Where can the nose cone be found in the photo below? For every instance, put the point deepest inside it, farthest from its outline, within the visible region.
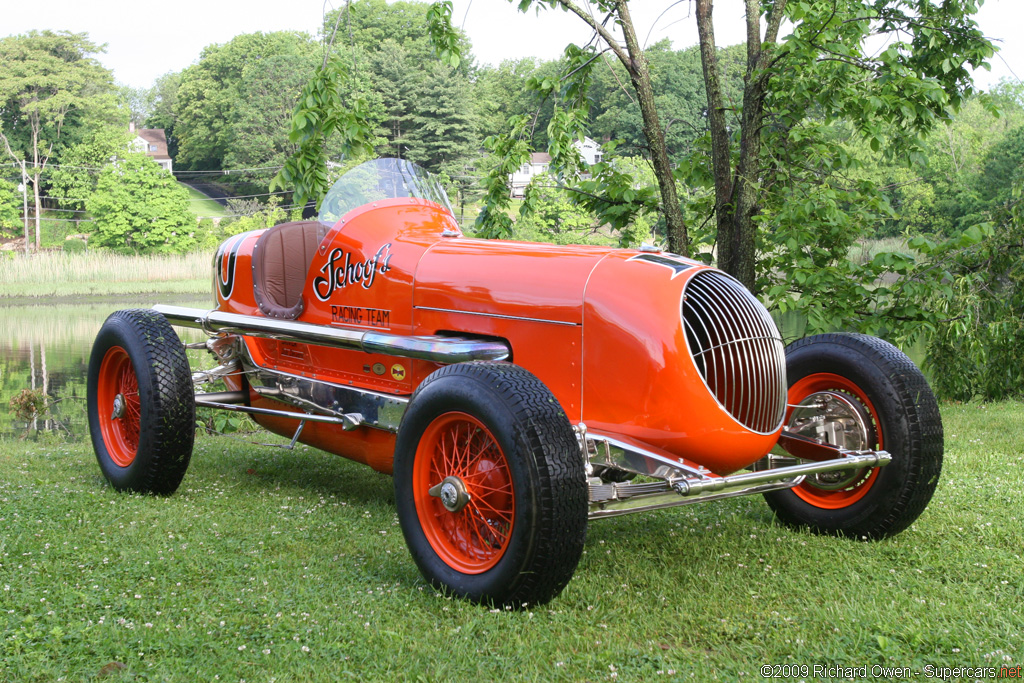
(683, 359)
(737, 350)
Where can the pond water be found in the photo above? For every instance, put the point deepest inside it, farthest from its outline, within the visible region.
(45, 348)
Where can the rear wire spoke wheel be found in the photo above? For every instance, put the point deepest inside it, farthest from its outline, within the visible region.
(886, 404)
(141, 403)
(490, 486)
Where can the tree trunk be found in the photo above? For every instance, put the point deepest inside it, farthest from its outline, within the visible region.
(640, 75)
(736, 202)
(744, 192)
(35, 190)
(24, 202)
(721, 149)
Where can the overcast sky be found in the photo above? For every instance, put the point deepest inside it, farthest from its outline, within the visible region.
(143, 43)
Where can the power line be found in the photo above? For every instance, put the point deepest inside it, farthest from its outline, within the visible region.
(191, 199)
(63, 210)
(226, 171)
(44, 219)
(93, 220)
(244, 196)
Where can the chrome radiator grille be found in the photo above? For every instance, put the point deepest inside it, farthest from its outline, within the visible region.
(737, 349)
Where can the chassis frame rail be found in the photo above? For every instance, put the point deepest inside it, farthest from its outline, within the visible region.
(682, 484)
(677, 482)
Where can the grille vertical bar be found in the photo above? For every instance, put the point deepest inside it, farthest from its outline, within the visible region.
(737, 349)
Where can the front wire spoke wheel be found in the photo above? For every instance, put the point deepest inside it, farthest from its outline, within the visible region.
(490, 485)
(470, 534)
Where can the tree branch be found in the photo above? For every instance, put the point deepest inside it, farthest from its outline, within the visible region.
(599, 28)
(771, 33)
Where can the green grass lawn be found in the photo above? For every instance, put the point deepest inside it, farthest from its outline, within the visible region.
(203, 206)
(269, 565)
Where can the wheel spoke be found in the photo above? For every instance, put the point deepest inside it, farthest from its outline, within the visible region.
(507, 488)
(447, 456)
(480, 547)
(455, 465)
(473, 534)
(477, 502)
(491, 529)
(466, 455)
(474, 453)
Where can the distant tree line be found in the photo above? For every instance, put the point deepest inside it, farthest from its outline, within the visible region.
(851, 147)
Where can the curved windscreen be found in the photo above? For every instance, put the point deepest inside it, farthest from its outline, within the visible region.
(380, 179)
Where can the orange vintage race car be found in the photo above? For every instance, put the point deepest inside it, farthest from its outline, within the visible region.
(516, 391)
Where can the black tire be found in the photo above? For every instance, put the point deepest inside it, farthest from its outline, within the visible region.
(904, 412)
(484, 406)
(147, 447)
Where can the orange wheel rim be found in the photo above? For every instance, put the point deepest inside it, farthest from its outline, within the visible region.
(857, 489)
(457, 447)
(117, 399)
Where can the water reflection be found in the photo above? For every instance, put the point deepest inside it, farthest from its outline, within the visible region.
(44, 349)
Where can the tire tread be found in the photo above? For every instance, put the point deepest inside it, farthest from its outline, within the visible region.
(908, 390)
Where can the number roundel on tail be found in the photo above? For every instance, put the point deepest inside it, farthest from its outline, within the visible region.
(224, 264)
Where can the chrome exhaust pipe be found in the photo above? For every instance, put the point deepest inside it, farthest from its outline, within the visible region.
(434, 348)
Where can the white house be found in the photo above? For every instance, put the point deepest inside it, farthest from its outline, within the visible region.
(541, 161)
(153, 142)
(589, 150)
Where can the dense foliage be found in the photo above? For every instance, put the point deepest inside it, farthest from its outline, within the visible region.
(53, 91)
(10, 208)
(852, 146)
(978, 349)
(212, 96)
(67, 181)
(138, 207)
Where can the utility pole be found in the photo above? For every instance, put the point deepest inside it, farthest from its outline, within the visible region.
(24, 201)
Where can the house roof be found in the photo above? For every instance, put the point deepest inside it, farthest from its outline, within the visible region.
(540, 158)
(155, 136)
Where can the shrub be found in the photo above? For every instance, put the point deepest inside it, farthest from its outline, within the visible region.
(139, 207)
(74, 246)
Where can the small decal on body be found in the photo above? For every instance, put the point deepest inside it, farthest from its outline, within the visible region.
(224, 263)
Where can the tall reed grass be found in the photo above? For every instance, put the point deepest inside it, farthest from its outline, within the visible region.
(863, 251)
(98, 272)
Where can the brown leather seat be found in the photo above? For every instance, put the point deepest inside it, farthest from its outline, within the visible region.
(280, 262)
